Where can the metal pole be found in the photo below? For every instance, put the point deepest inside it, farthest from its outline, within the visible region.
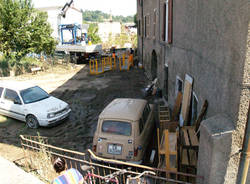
(245, 155)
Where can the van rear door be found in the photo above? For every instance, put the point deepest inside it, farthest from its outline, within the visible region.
(116, 140)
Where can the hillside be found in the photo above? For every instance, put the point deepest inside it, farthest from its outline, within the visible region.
(99, 16)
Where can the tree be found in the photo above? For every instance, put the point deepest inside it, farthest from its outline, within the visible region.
(92, 33)
(135, 19)
(23, 30)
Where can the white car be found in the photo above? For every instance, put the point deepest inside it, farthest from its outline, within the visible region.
(31, 104)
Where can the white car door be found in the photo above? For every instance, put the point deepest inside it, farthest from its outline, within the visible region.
(12, 104)
(2, 111)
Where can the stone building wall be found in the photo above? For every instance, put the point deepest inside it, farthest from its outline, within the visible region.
(211, 44)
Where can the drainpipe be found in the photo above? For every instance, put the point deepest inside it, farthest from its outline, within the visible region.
(245, 155)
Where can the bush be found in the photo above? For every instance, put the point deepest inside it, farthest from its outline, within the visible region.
(4, 67)
(18, 67)
(28, 62)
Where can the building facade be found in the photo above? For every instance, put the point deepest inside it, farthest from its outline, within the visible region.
(207, 41)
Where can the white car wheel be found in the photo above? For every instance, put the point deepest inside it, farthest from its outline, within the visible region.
(32, 121)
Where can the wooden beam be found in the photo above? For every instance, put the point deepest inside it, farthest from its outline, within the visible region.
(201, 115)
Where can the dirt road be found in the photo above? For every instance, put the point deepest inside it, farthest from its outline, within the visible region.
(87, 96)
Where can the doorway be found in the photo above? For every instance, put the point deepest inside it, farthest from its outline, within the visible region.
(154, 65)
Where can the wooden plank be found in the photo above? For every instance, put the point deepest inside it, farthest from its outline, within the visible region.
(164, 111)
(193, 137)
(163, 108)
(167, 149)
(162, 144)
(192, 158)
(163, 121)
(186, 139)
(164, 118)
(201, 115)
(184, 157)
(158, 142)
(177, 106)
(186, 100)
(172, 137)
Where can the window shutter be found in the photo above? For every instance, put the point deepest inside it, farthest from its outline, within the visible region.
(164, 23)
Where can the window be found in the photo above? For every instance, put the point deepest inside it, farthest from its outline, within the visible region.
(1, 91)
(141, 125)
(194, 108)
(148, 26)
(145, 26)
(146, 112)
(139, 27)
(166, 82)
(154, 23)
(167, 21)
(140, 2)
(11, 95)
(144, 118)
(178, 85)
(117, 127)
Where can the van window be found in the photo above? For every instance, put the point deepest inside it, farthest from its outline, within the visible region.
(1, 90)
(141, 125)
(146, 112)
(117, 127)
(144, 118)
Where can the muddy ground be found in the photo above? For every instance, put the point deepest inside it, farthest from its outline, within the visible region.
(86, 94)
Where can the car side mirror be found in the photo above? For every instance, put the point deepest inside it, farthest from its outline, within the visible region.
(17, 102)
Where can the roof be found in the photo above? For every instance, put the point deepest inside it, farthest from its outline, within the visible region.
(124, 108)
(16, 85)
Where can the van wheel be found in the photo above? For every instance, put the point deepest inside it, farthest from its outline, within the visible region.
(32, 121)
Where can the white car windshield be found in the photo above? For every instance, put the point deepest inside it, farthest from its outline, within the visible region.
(33, 94)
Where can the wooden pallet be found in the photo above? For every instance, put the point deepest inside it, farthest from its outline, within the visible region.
(189, 146)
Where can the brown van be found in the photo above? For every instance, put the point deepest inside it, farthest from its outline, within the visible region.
(124, 129)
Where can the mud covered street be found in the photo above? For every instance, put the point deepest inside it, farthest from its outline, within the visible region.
(86, 94)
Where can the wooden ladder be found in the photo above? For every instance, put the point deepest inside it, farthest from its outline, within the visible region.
(167, 141)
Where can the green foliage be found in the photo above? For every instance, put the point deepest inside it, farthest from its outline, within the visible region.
(23, 30)
(98, 16)
(121, 40)
(93, 33)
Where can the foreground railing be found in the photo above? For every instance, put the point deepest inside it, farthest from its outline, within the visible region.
(40, 154)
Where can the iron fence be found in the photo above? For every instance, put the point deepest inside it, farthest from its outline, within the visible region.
(39, 155)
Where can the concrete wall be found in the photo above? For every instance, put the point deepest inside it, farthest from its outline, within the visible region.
(215, 149)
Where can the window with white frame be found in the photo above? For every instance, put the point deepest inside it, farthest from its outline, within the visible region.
(167, 21)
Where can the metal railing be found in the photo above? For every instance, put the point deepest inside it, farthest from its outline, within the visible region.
(35, 146)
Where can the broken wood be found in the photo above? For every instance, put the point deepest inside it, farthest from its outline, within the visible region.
(177, 106)
(186, 100)
(201, 115)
